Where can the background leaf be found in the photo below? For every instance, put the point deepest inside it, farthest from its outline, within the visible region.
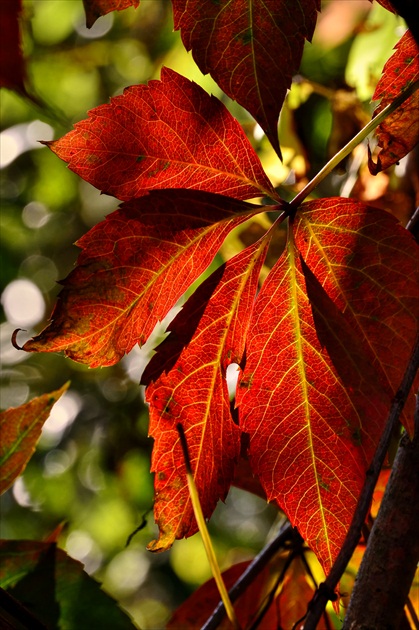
(12, 66)
(96, 8)
(55, 588)
(289, 602)
(167, 134)
(134, 267)
(188, 386)
(399, 133)
(20, 431)
(250, 48)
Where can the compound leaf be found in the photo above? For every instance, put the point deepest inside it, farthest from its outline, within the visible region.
(310, 397)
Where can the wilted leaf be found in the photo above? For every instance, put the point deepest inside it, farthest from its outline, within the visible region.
(188, 386)
(55, 588)
(399, 133)
(167, 134)
(12, 67)
(309, 396)
(20, 429)
(133, 268)
(250, 48)
(96, 8)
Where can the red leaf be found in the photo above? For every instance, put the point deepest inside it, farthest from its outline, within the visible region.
(251, 49)
(20, 431)
(96, 8)
(386, 4)
(198, 607)
(167, 134)
(188, 385)
(399, 133)
(133, 268)
(12, 67)
(308, 396)
(288, 605)
(295, 596)
(54, 587)
(369, 266)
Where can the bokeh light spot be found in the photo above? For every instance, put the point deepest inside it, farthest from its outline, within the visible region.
(23, 303)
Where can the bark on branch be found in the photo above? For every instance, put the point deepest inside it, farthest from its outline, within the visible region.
(389, 564)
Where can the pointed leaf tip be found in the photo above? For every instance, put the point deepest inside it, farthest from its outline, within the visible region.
(251, 49)
(187, 385)
(124, 284)
(20, 431)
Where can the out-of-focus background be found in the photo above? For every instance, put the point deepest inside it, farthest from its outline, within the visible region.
(91, 468)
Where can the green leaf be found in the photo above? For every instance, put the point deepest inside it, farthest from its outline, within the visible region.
(56, 589)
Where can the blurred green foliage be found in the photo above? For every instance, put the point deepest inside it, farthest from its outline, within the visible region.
(91, 469)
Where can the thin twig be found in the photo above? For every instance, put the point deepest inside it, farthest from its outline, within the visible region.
(413, 613)
(247, 577)
(271, 595)
(328, 587)
(206, 539)
(348, 148)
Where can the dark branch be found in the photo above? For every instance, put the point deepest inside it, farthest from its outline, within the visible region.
(322, 596)
(378, 601)
(255, 567)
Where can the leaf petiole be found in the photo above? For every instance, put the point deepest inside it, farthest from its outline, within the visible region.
(196, 504)
(348, 148)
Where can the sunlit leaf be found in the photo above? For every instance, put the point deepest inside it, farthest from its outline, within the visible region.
(20, 429)
(96, 8)
(250, 48)
(188, 386)
(369, 266)
(310, 397)
(399, 133)
(167, 134)
(55, 588)
(133, 268)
